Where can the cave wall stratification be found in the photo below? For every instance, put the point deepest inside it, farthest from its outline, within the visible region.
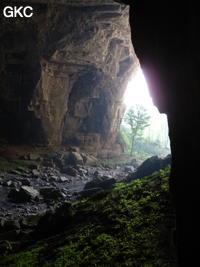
(64, 73)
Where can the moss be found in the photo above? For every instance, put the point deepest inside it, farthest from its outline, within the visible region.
(7, 165)
(128, 226)
(23, 259)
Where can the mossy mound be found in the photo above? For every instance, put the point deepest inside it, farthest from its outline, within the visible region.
(128, 226)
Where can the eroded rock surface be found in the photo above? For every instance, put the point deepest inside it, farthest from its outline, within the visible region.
(63, 74)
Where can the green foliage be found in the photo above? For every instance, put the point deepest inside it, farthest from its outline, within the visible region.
(24, 259)
(137, 119)
(128, 226)
(148, 147)
(125, 138)
(143, 147)
(142, 141)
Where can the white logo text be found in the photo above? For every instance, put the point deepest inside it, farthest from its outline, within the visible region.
(14, 12)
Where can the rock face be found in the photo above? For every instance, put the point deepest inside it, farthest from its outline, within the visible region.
(64, 72)
(150, 166)
(24, 194)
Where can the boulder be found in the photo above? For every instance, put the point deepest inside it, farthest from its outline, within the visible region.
(129, 169)
(97, 174)
(24, 194)
(49, 193)
(70, 171)
(29, 190)
(108, 184)
(35, 172)
(94, 183)
(33, 156)
(76, 158)
(134, 163)
(5, 247)
(88, 159)
(74, 149)
(100, 183)
(25, 182)
(54, 178)
(89, 192)
(82, 171)
(149, 166)
(64, 179)
(72, 158)
(8, 183)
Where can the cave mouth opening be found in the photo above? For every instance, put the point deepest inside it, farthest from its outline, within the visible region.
(152, 139)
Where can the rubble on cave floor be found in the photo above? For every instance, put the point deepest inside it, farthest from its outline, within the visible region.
(33, 185)
(34, 188)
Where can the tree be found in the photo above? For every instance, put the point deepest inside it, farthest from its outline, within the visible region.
(137, 119)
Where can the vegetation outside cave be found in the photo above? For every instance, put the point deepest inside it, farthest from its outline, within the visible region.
(143, 131)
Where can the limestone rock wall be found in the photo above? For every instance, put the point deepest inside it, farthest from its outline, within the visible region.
(64, 74)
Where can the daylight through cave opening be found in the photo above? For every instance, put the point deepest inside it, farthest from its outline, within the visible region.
(63, 80)
(143, 121)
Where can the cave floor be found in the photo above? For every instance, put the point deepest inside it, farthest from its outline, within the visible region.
(62, 188)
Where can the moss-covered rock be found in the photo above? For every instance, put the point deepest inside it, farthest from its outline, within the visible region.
(128, 226)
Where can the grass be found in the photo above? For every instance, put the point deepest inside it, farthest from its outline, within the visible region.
(128, 226)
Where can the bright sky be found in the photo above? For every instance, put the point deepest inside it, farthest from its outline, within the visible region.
(138, 93)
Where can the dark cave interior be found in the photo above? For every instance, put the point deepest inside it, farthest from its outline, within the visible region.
(165, 37)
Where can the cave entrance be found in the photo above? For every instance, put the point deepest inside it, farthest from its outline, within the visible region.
(144, 130)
